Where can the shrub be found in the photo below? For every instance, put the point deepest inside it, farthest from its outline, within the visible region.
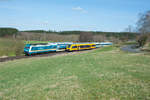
(142, 39)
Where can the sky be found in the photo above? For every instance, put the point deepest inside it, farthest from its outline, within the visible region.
(63, 15)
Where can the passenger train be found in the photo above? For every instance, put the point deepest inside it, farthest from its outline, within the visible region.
(31, 49)
(80, 46)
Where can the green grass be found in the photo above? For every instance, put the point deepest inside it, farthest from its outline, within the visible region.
(130, 43)
(102, 74)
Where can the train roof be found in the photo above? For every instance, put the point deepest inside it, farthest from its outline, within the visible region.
(41, 44)
(67, 43)
(103, 43)
(47, 44)
(38, 44)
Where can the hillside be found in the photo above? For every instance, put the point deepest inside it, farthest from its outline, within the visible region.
(102, 74)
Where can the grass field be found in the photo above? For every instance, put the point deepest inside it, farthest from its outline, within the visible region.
(102, 74)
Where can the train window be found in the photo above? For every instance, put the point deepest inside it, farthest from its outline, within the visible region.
(49, 47)
(82, 46)
(38, 48)
(62, 47)
(93, 45)
(87, 46)
(74, 46)
(46, 47)
(41, 48)
(69, 46)
(34, 48)
(55, 46)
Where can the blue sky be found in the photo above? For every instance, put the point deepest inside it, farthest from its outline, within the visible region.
(60, 15)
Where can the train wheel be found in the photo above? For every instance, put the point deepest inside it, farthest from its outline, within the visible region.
(27, 54)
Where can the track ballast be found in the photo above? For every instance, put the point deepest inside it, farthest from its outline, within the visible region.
(33, 56)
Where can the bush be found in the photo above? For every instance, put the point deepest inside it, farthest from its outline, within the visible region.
(142, 39)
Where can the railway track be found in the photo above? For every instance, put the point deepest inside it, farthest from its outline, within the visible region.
(37, 55)
(33, 56)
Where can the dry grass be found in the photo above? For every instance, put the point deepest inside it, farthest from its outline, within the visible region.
(11, 47)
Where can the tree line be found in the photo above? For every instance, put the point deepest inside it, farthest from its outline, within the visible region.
(130, 35)
(4, 32)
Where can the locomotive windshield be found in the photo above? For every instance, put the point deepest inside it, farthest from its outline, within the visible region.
(27, 46)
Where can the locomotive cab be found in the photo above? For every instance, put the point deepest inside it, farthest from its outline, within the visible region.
(27, 49)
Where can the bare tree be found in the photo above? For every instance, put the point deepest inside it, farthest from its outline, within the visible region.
(129, 29)
(143, 24)
(143, 27)
(86, 37)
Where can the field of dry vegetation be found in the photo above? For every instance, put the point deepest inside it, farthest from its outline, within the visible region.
(61, 38)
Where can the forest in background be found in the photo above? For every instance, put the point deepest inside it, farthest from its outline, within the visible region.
(42, 35)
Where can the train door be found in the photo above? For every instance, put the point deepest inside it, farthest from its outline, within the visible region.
(78, 47)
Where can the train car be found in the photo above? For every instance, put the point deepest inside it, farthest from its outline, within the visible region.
(80, 46)
(106, 44)
(102, 44)
(39, 48)
(61, 46)
(98, 44)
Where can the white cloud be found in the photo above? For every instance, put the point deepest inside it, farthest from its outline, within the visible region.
(79, 9)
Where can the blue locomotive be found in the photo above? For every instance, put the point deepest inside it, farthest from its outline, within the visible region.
(31, 49)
